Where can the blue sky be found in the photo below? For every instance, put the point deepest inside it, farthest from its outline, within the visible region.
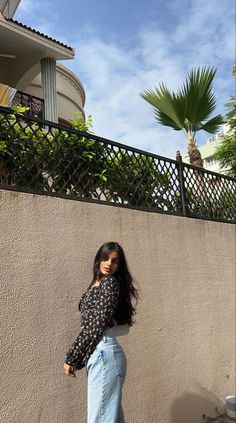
(127, 46)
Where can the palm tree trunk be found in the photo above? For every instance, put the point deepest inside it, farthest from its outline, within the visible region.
(194, 155)
(200, 188)
(193, 152)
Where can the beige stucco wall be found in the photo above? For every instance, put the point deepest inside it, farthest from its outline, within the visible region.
(181, 350)
(70, 92)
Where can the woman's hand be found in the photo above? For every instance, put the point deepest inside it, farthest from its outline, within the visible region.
(69, 370)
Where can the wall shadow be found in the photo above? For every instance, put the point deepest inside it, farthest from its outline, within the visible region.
(121, 416)
(190, 407)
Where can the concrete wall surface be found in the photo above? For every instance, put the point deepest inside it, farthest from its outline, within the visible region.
(180, 352)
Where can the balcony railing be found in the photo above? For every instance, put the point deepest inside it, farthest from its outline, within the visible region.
(44, 157)
(35, 104)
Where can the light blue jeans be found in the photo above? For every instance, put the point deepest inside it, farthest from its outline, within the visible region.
(106, 369)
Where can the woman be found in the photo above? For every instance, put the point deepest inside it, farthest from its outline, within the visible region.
(106, 311)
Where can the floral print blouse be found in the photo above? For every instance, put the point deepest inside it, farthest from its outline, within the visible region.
(97, 307)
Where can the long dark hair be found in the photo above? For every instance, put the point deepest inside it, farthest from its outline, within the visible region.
(128, 297)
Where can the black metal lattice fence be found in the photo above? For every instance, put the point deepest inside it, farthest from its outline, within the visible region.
(39, 156)
(34, 104)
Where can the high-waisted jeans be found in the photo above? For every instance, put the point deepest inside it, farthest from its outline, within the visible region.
(106, 369)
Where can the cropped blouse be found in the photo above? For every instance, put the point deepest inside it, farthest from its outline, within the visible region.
(97, 307)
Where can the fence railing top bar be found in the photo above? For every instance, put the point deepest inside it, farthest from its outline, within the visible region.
(209, 172)
(86, 134)
(130, 148)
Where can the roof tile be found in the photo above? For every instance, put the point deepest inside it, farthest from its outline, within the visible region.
(38, 32)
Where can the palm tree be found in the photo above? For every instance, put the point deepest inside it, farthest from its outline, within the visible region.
(189, 109)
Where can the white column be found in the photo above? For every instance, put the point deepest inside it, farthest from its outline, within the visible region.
(48, 73)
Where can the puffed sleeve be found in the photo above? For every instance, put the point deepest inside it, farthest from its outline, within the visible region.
(101, 314)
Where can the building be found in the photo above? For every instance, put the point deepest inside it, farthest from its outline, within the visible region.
(207, 152)
(28, 64)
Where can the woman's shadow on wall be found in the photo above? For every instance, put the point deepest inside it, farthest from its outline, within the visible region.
(121, 416)
(190, 407)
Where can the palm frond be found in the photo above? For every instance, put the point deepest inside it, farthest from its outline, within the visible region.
(166, 106)
(165, 120)
(197, 89)
(213, 125)
(190, 107)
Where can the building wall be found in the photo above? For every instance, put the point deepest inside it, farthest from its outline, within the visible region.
(180, 351)
(70, 92)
